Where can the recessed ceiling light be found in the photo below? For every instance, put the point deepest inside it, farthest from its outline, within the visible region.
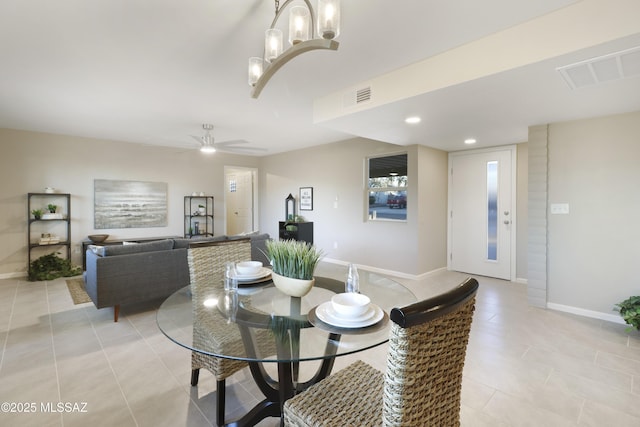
(470, 141)
(412, 120)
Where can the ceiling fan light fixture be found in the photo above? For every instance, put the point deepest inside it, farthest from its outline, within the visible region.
(208, 149)
(302, 30)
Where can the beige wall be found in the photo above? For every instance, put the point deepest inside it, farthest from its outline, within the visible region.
(336, 173)
(433, 207)
(31, 161)
(593, 251)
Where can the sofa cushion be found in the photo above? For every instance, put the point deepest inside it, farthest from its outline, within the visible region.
(184, 243)
(159, 245)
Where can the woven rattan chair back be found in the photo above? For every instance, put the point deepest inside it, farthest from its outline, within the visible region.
(427, 348)
(207, 262)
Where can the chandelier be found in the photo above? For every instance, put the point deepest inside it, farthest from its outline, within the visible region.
(302, 37)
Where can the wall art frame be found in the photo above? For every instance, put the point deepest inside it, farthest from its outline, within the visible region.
(129, 204)
(306, 198)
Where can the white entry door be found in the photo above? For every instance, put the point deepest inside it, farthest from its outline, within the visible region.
(239, 201)
(481, 212)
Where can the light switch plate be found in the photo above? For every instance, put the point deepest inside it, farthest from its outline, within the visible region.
(560, 208)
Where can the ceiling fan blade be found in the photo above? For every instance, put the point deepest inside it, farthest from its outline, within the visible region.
(232, 142)
(233, 149)
(197, 138)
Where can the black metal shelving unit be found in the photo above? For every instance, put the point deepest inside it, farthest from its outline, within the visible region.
(44, 224)
(193, 215)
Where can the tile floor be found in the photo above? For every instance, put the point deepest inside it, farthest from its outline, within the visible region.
(525, 366)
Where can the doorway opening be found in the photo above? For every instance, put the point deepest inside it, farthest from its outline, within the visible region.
(240, 200)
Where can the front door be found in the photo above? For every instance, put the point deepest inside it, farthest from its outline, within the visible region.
(239, 201)
(481, 213)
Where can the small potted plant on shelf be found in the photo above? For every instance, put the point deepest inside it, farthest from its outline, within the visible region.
(52, 208)
(293, 264)
(37, 213)
(201, 209)
(629, 309)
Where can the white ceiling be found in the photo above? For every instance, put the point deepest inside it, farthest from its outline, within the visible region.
(153, 71)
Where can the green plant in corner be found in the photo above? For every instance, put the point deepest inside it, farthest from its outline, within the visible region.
(52, 208)
(51, 266)
(629, 309)
(37, 213)
(292, 258)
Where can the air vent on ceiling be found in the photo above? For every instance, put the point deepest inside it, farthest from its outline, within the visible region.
(614, 66)
(357, 97)
(363, 95)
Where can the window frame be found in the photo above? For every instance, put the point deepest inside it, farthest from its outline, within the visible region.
(402, 187)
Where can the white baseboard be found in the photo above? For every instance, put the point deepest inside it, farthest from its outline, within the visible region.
(387, 272)
(586, 313)
(17, 275)
(521, 280)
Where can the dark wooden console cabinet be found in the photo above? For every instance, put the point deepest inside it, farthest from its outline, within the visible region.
(301, 231)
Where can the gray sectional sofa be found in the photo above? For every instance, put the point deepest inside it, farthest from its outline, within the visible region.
(127, 274)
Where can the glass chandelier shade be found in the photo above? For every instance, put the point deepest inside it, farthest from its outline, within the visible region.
(298, 25)
(329, 19)
(272, 44)
(255, 69)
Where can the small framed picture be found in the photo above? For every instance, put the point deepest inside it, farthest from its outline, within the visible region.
(306, 198)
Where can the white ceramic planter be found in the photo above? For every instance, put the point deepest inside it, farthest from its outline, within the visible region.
(292, 287)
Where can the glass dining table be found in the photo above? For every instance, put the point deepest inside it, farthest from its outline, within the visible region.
(282, 330)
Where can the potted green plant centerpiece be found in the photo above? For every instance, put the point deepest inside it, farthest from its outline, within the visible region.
(293, 264)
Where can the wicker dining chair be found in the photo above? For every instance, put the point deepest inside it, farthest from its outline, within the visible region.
(422, 384)
(207, 261)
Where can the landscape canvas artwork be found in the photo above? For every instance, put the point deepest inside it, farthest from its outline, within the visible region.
(129, 204)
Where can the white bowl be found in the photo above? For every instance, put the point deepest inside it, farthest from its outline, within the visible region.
(350, 304)
(248, 268)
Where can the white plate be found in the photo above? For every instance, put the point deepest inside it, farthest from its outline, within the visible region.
(327, 314)
(264, 272)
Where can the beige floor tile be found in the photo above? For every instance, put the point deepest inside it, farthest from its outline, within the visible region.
(518, 412)
(619, 363)
(525, 366)
(597, 415)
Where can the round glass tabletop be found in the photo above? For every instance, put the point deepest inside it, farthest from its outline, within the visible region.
(261, 324)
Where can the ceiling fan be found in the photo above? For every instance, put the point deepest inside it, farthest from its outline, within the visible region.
(208, 144)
